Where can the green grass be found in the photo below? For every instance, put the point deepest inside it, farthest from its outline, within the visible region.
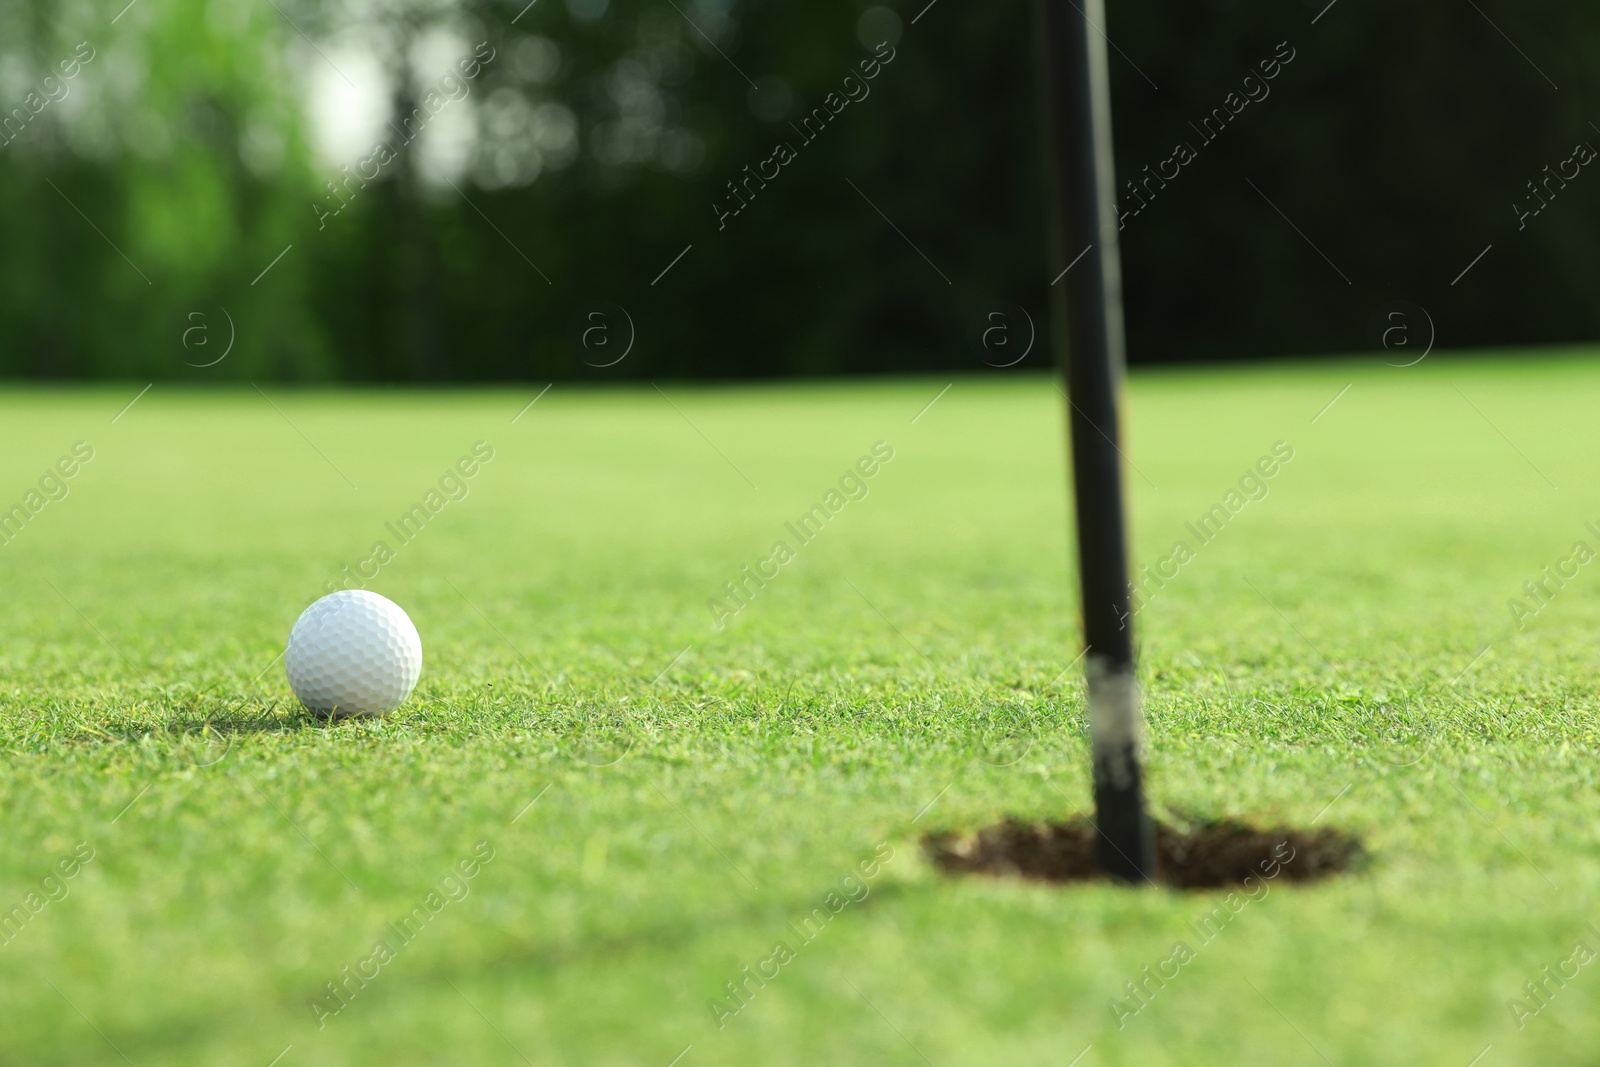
(692, 808)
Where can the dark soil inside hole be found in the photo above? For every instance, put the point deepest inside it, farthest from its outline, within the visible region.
(1202, 856)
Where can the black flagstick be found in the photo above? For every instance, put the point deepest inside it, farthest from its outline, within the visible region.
(1090, 348)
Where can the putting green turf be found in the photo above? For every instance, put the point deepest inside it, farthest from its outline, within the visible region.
(701, 792)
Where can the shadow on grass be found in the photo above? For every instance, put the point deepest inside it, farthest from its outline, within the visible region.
(202, 730)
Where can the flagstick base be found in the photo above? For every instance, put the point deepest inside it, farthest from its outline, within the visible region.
(1126, 845)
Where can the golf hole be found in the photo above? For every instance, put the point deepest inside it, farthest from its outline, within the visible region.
(1206, 855)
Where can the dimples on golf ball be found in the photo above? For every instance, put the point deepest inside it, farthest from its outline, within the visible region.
(353, 653)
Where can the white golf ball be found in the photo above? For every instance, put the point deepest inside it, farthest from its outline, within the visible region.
(353, 653)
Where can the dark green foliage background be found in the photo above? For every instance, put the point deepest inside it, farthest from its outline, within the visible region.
(1396, 141)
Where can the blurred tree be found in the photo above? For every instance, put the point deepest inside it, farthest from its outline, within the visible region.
(428, 190)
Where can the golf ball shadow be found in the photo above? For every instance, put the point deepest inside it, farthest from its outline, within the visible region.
(604, 736)
(1006, 731)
